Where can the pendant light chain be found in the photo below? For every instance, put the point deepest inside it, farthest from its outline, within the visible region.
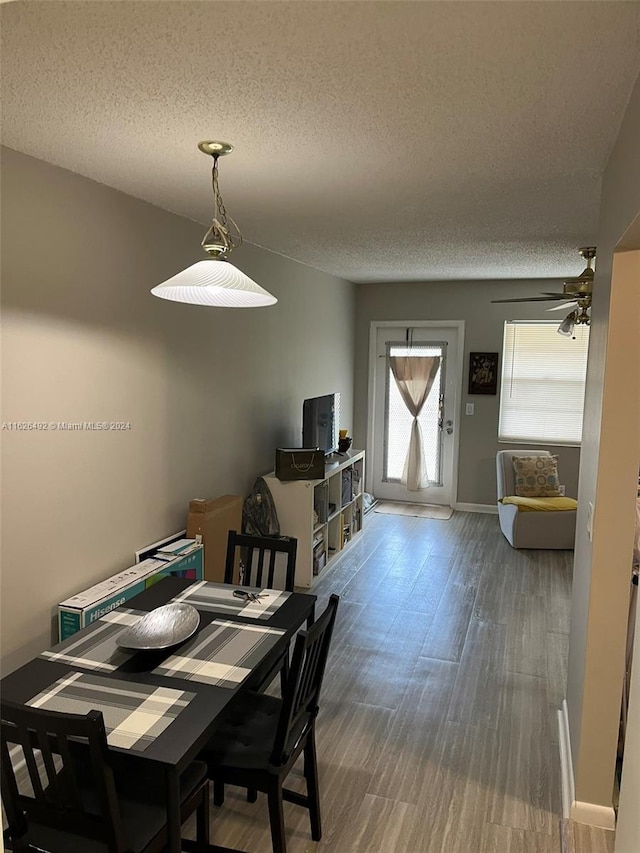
(219, 207)
(221, 219)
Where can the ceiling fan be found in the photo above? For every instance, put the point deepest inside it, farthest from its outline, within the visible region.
(576, 295)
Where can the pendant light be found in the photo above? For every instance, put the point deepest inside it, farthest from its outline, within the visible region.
(566, 327)
(213, 280)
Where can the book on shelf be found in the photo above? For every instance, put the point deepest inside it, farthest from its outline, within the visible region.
(319, 560)
(321, 502)
(346, 487)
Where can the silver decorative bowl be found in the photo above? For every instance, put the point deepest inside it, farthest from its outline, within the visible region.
(162, 628)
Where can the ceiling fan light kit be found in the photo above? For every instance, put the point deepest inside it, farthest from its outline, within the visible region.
(566, 327)
(214, 281)
(576, 293)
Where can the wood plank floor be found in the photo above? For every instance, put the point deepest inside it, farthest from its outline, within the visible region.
(578, 838)
(437, 730)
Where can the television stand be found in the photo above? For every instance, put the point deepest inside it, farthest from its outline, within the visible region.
(324, 515)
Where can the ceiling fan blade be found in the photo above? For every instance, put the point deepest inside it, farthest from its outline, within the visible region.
(566, 306)
(534, 298)
(575, 296)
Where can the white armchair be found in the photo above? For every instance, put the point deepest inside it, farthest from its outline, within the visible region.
(554, 530)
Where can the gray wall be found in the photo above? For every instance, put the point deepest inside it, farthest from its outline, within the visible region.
(209, 392)
(484, 326)
(608, 477)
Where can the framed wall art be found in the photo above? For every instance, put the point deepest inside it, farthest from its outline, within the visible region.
(483, 373)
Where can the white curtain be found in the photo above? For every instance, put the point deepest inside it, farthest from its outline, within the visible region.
(414, 377)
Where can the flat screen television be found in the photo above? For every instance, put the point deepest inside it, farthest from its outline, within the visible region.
(321, 422)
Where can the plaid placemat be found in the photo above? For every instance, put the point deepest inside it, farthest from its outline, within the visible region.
(97, 648)
(219, 597)
(223, 653)
(134, 714)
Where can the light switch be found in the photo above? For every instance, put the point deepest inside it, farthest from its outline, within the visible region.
(470, 408)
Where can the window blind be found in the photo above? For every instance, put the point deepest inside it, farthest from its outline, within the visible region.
(543, 382)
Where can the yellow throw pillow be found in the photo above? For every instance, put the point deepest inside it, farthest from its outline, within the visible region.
(541, 504)
(536, 476)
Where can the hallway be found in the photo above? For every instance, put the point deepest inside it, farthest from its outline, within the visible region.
(437, 730)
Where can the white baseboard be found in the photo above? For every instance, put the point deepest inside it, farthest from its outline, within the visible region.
(589, 813)
(566, 762)
(593, 815)
(490, 509)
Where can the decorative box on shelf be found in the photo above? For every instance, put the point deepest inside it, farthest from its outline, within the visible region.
(299, 463)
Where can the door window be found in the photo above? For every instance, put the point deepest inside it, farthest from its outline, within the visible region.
(398, 419)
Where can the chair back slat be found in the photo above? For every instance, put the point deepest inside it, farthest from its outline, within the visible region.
(69, 778)
(30, 759)
(254, 551)
(52, 781)
(260, 568)
(60, 787)
(272, 569)
(302, 692)
(71, 781)
(246, 561)
(10, 793)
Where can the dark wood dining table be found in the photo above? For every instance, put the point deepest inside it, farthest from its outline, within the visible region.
(182, 739)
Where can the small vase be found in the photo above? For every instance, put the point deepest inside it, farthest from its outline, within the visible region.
(344, 444)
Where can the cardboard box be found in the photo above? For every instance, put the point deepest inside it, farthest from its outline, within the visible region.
(213, 519)
(85, 607)
(206, 504)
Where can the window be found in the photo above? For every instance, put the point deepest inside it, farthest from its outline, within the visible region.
(543, 379)
(399, 421)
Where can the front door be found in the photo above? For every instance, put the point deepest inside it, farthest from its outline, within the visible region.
(393, 421)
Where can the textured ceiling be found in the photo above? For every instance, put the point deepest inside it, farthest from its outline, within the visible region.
(374, 140)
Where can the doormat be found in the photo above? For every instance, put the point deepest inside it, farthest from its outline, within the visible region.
(421, 510)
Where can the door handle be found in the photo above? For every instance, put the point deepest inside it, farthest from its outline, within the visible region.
(449, 427)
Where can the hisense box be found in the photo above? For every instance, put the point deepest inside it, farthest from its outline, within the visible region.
(85, 607)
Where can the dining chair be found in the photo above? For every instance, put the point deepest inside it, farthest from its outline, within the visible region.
(254, 550)
(262, 736)
(64, 796)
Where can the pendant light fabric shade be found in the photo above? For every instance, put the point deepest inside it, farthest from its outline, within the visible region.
(214, 282)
